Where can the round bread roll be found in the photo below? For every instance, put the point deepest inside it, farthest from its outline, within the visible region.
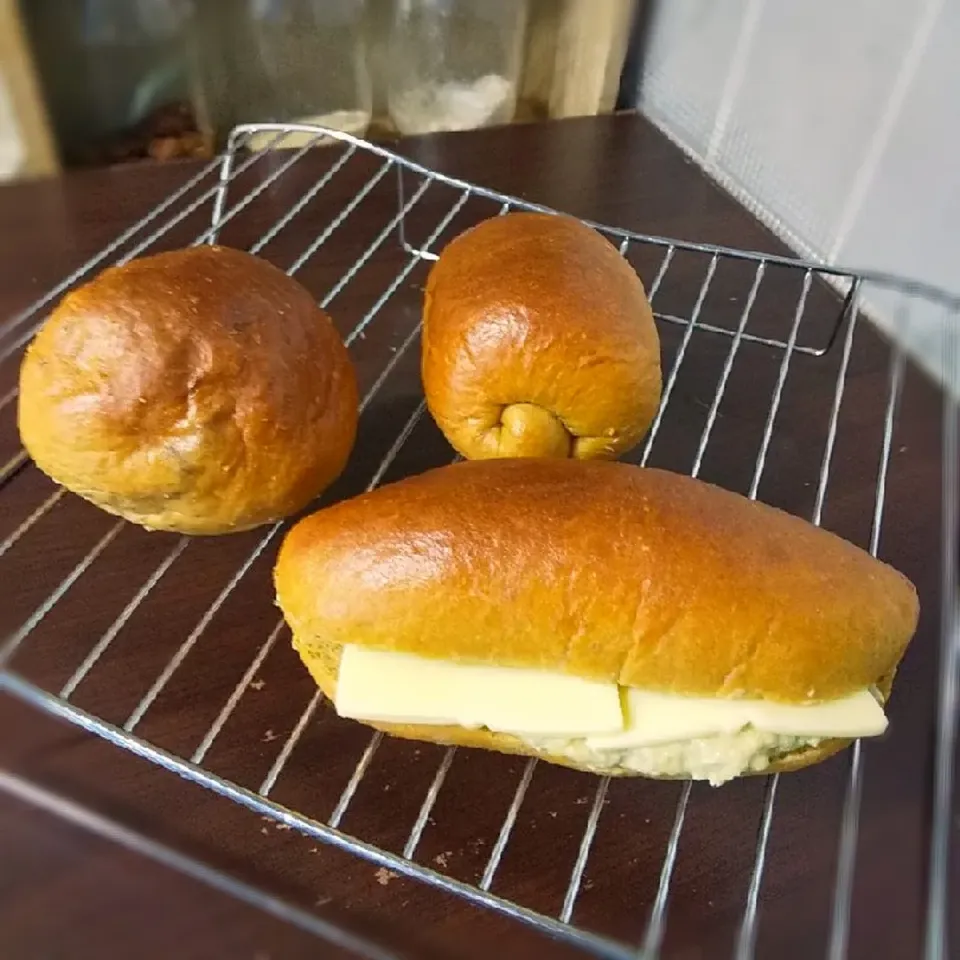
(538, 341)
(201, 391)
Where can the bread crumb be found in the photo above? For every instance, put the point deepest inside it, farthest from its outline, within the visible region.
(384, 876)
(322, 901)
(269, 737)
(553, 813)
(580, 801)
(441, 859)
(265, 831)
(284, 826)
(257, 684)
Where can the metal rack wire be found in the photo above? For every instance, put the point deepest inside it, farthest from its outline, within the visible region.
(224, 188)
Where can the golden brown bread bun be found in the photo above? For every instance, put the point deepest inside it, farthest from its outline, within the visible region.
(201, 391)
(603, 570)
(538, 341)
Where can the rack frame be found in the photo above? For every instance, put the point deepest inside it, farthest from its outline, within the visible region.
(852, 286)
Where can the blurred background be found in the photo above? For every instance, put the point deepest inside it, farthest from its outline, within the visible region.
(836, 124)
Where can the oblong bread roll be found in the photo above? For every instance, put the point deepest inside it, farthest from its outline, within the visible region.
(538, 341)
(601, 570)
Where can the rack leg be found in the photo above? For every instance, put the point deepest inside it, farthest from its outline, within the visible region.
(226, 172)
(422, 253)
(847, 309)
(944, 805)
(401, 225)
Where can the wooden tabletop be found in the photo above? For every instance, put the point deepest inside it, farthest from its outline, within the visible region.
(65, 893)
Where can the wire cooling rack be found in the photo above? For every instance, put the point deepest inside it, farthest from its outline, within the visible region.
(180, 664)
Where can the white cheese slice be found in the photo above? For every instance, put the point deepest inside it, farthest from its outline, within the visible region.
(402, 688)
(655, 718)
(388, 687)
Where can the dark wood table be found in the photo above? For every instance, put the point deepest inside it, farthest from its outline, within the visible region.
(65, 893)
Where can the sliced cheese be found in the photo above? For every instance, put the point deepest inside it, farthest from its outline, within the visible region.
(388, 687)
(655, 718)
(402, 688)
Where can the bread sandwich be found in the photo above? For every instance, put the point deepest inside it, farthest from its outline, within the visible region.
(538, 341)
(201, 391)
(615, 619)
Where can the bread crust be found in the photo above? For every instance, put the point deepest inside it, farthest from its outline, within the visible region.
(201, 391)
(538, 340)
(603, 570)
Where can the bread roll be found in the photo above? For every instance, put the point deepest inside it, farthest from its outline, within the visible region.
(605, 571)
(538, 341)
(201, 391)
